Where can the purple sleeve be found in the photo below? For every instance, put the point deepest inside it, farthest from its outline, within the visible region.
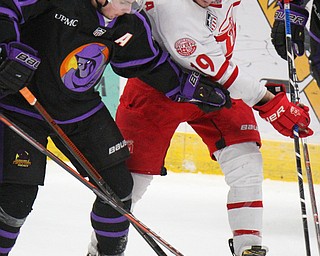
(13, 13)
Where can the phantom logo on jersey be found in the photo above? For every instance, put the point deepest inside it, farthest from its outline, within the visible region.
(83, 67)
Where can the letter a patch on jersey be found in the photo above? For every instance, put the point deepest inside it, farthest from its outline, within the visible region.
(122, 41)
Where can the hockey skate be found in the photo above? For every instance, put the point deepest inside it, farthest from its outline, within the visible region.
(93, 248)
(255, 250)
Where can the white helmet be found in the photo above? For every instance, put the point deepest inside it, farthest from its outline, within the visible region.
(136, 6)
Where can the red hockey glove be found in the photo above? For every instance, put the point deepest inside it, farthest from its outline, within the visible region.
(283, 115)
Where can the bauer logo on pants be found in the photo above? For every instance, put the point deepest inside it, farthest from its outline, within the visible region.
(117, 147)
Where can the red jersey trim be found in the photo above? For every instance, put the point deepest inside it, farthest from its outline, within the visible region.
(221, 71)
(219, 5)
(241, 232)
(254, 204)
(232, 78)
(216, 5)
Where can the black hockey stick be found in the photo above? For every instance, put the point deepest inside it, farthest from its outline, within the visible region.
(75, 174)
(113, 199)
(307, 166)
(295, 97)
(312, 193)
(105, 197)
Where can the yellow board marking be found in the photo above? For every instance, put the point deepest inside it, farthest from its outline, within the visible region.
(187, 153)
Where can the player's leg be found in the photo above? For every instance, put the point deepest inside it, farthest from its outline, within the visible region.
(242, 166)
(111, 228)
(100, 141)
(141, 183)
(148, 119)
(22, 169)
(232, 138)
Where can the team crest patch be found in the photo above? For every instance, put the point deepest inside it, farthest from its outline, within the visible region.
(211, 21)
(22, 159)
(99, 32)
(185, 46)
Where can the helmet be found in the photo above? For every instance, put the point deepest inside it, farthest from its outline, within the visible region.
(136, 6)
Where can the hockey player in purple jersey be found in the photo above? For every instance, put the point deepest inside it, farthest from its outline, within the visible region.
(59, 49)
(298, 34)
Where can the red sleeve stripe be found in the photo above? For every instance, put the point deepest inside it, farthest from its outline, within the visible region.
(221, 71)
(240, 232)
(254, 204)
(231, 79)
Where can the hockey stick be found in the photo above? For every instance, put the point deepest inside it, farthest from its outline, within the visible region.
(113, 199)
(312, 193)
(294, 95)
(105, 197)
(75, 174)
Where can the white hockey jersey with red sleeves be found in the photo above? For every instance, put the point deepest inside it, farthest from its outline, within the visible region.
(203, 39)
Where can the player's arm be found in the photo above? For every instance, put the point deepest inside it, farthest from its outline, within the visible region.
(299, 17)
(142, 57)
(282, 114)
(136, 54)
(210, 59)
(18, 61)
(276, 109)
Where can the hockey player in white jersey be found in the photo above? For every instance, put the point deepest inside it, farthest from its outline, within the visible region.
(200, 35)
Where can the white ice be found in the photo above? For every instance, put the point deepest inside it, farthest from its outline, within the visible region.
(186, 210)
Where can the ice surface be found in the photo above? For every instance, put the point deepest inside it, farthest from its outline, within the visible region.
(186, 210)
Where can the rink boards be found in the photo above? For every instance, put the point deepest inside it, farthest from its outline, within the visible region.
(187, 153)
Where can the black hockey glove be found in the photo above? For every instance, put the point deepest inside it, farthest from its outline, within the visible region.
(18, 63)
(206, 94)
(298, 20)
